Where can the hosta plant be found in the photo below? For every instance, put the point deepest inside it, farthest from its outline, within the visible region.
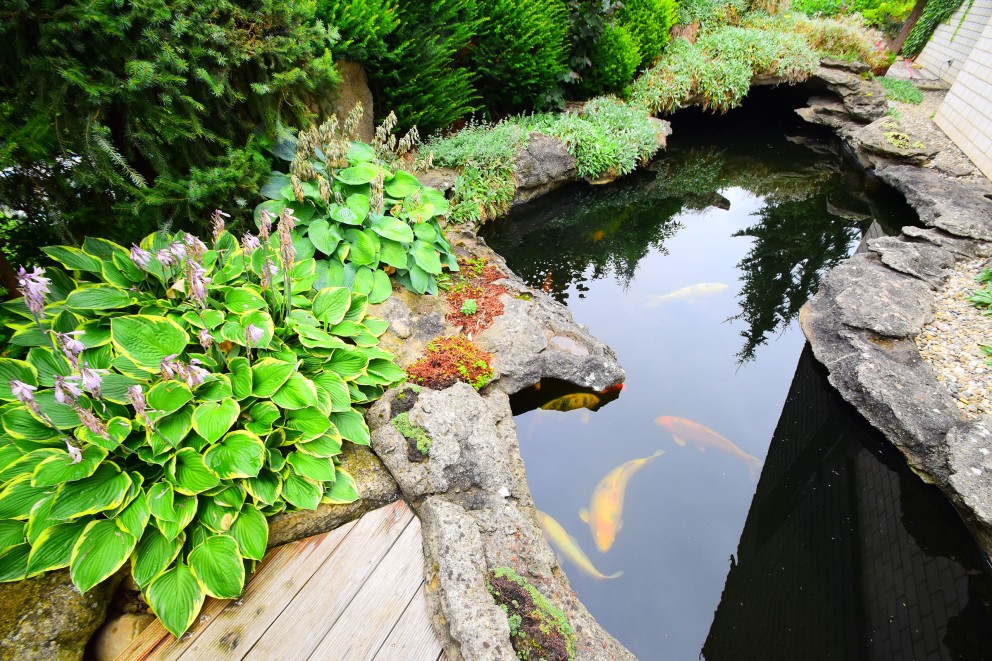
(362, 219)
(159, 402)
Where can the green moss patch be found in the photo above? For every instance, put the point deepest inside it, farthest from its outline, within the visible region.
(418, 442)
(539, 630)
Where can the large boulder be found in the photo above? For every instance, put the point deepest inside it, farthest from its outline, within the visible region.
(46, 618)
(354, 88)
(863, 97)
(544, 165)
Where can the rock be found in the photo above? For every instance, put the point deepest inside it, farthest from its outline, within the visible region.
(827, 111)
(883, 138)
(117, 634)
(377, 486)
(969, 452)
(354, 88)
(544, 165)
(926, 262)
(46, 618)
(968, 248)
(863, 97)
(870, 296)
(960, 208)
(443, 179)
(413, 322)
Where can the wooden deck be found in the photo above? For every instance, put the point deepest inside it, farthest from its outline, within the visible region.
(354, 593)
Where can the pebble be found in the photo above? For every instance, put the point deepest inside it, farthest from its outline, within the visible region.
(951, 343)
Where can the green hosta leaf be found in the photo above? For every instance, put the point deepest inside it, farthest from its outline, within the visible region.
(20, 424)
(385, 371)
(14, 563)
(176, 426)
(176, 597)
(262, 320)
(240, 454)
(426, 257)
(298, 392)
(393, 253)
(272, 188)
(114, 387)
(152, 555)
(211, 420)
(375, 326)
(59, 467)
(343, 491)
(105, 489)
(347, 329)
(169, 396)
(185, 509)
(425, 232)
(12, 533)
(391, 228)
(336, 388)
(268, 375)
(360, 173)
(420, 280)
(100, 551)
(382, 287)
(98, 297)
(314, 338)
(134, 518)
(251, 532)
(318, 469)
(39, 519)
(352, 426)
(329, 305)
(307, 423)
(363, 249)
(11, 369)
(53, 547)
(190, 473)
(262, 416)
(240, 376)
(232, 497)
(347, 363)
(216, 517)
(266, 488)
(161, 501)
(324, 236)
(217, 565)
(216, 389)
(301, 492)
(147, 340)
(401, 184)
(359, 152)
(74, 259)
(364, 281)
(328, 445)
(48, 363)
(62, 415)
(243, 299)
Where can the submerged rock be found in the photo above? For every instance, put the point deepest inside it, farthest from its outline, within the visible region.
(46, 618)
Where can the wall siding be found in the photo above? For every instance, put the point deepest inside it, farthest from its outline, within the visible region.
(951, 44)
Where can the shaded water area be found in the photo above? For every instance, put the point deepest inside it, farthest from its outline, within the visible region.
(694, 272)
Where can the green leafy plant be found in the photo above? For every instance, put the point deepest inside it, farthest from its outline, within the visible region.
(481, 194)
(934, 14)
(521, 51)
(363, 26)
(588, 20)
(615, 58)
(363, 219)
(648, 22)
(903, 91)
(413, 433)
(469, 306)
(160, 402)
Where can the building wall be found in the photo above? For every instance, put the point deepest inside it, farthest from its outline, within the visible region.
(947, 51)
(966, 113)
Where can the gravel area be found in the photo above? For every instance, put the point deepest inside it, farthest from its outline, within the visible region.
(951, 344)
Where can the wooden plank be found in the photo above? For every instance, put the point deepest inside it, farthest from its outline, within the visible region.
(298, 559)
(413, 636)
(366, 622)
(302, 625)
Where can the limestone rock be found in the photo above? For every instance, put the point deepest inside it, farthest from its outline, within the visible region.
(883, 138)
(870, 296)
(413, 322)
(443, 179)
(969, 450)
(962, 247)
(863, 97)
(544, 165)
(960, 208)
(826, 111)
(47, 619)
(354, 88)
(117, 634)
(376, 485)
(926, 262)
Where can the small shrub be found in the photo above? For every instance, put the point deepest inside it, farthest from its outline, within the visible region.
(480, 144)
(521, 52)
(615, 58)
(451, 359)
(649, 22)
(479, 195)
(901, 90)
(538, 628)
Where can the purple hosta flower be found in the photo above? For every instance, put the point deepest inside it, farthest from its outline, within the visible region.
(269, 270)
(24, 393)
(168, 366)
(264, 225)
(249, 244)
(66, 389)
(33, 286)
(136, 396)
(91, 379)
(166, 258)
(195, 375)
(206, 339)
(192, 374)
(286, 249)
(196, 284)
(141, 258)
(93, 423)
(73, 451)
(193, 247)
(218, 220)
(253, 335)
(71, 347)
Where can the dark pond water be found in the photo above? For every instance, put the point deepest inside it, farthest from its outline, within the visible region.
(694, 273)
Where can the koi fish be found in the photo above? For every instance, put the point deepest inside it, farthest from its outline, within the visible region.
(571, 402)
(566, 545)
(689, 293)
(612, 389)
(598, 236)
(603, 515)
(703, 437)
(546, 287)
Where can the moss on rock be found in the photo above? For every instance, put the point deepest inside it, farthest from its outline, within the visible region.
(539, 630)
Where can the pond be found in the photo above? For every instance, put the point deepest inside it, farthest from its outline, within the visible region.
(694, 272)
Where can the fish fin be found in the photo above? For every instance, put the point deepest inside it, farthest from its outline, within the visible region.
(614, 575)
(657, 453)
(584, 514)
(679, 440)
(753, 467)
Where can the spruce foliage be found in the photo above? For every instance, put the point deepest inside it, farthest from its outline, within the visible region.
(119, 117)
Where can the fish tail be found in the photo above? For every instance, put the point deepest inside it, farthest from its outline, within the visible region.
(753, 467)
(614, 575)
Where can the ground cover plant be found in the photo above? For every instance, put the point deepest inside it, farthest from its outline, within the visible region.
(473, 300)
(538, 628)
(903, 91)
(451, 359)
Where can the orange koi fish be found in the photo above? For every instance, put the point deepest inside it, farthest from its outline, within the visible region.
(603, 515)
(566, 545)
(703, 437)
